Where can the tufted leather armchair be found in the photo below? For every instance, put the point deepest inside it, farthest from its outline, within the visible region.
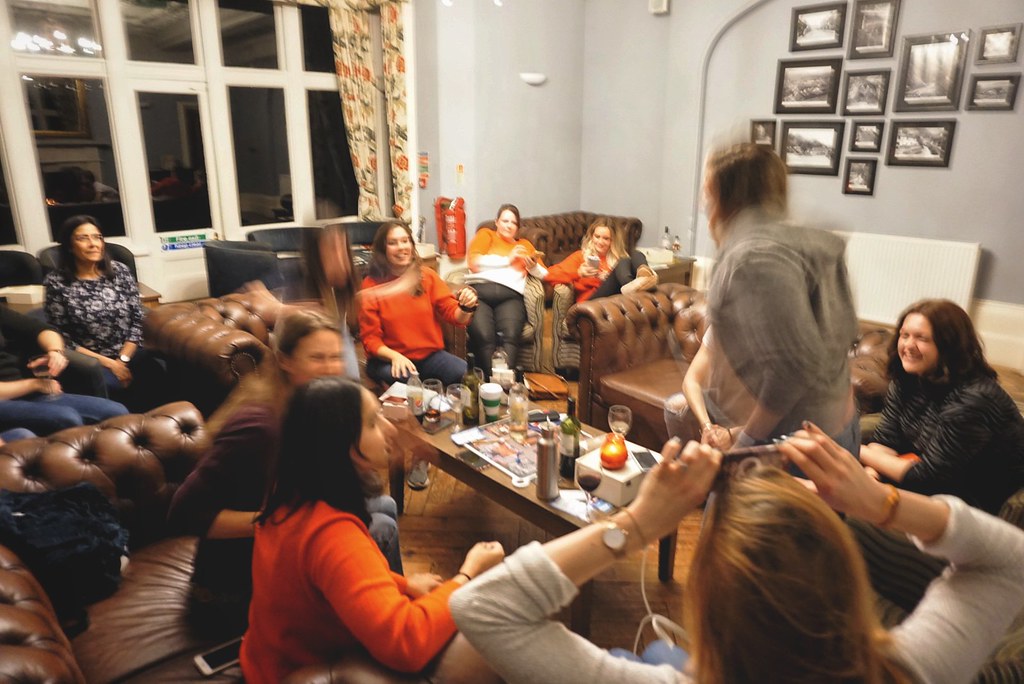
(210, 344)
(559, 235)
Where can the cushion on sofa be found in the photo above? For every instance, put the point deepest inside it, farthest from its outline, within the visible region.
(644, 389)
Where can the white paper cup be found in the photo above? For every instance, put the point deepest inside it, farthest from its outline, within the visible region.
(490, 397)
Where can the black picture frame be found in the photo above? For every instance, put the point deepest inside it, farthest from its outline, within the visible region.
(859, 178)
(998, 45)
(866, 93)
(812, 147)
(866, 136)
(932, 72)
(762, 132)
(993, 92)
(873, 28)
(921, 143)
(807, 86)
(818, 27)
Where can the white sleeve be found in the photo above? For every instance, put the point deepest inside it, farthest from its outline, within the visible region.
(504, 614)
(970, 606)
(488, 261)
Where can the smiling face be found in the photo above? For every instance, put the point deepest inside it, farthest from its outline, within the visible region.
(377, 435)
(601, 240)
(398, 250)
(87, 246)
(315, 356)
(507, 225)
(916, 345)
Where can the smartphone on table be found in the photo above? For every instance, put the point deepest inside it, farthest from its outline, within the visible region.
(645, 460)
(218, 659)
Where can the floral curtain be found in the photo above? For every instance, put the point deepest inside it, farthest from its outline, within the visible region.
(350, 26)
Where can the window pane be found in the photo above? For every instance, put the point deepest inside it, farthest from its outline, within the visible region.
(174, 153)
(317, 44)
(54, 28)
(247, 34)
(8, 236)
(76, 157)
(261, 154)
(334, 181)
(158, 31)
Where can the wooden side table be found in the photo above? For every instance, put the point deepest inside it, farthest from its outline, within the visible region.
(150, 297)
(679, 271)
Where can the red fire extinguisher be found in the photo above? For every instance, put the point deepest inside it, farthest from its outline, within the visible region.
(450, 215)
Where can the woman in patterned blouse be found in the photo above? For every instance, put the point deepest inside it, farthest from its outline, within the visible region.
(95, 303)
(948, 427)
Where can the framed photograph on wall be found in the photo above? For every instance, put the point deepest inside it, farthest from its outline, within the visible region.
(866, 136)
(873, 28)
(859, 178)
(812, 147)
(866, 92)
(932, 72)
(807, 86)
(994, 92)
(920, 143)
(998, 45)
(58, 107)
(762, 132)
(817, 27)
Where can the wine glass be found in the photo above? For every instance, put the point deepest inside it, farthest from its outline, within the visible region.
(589, 480)
(42, 371)
(454, 395)
(620, 419)
(433, 391)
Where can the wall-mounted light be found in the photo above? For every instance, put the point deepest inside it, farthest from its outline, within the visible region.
(533, 78)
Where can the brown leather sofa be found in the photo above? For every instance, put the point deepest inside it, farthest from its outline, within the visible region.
(635, 349)
(559, 235)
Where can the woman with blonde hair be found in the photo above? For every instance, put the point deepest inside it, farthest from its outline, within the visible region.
(777, 590)
(603, 266)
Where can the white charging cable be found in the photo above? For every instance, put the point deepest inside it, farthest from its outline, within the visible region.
(664, 628)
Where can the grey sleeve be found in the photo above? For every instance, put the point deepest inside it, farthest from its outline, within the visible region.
(970, 606)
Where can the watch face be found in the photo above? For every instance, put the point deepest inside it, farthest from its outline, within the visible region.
(614, 538)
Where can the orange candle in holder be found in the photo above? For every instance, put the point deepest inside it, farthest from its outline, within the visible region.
(613, 452)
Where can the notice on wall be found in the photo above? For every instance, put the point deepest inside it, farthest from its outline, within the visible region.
(171, 243)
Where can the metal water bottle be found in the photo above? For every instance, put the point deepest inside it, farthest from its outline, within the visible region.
(547, 463)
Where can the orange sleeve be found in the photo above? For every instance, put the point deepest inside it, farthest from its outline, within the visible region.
(346, 565)
(446, 306)
(566, 272)
(481, 242)
(370, 331)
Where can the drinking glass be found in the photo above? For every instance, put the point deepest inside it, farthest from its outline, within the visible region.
(43, 371)
(589, 482)
(454, 397)
(433, 392)
(620, 419)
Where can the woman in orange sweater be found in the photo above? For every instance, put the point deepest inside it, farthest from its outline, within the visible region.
(603, 267)
(321, 586)
(401, 331)
(499, 262)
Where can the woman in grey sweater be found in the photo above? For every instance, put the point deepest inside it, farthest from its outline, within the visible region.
(777, 590)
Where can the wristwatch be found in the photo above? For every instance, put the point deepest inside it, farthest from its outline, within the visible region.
(615, 538)
(124, 358)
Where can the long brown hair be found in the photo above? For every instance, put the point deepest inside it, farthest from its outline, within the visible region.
(618, 248)
(778, 586)
(746, 175)
(961, 356)
(380, 269)
(268, 385)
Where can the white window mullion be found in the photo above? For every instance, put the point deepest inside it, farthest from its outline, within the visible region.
(300, 161)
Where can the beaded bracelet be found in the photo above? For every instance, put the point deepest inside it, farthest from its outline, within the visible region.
(469, 309)
(892, 503)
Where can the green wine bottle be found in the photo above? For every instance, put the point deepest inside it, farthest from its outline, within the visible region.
(471, 402)
(569, 445)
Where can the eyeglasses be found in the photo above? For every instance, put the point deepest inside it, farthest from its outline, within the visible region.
(84, 239)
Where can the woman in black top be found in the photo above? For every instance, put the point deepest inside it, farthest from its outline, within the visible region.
(947, 426)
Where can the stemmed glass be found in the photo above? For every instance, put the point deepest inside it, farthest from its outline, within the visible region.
(589, 481)
(41, 370)
(620, 419)
(454, 395)
(433, 390)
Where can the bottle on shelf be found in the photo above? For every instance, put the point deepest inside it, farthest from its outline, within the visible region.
(414, 395)
(569, 442)
(666, 239)
(518, 404)
(677, 246)
(471, 400)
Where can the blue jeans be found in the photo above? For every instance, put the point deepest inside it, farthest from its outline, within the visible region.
(45, 413)
(442, 365)
(384, 529)
(657, 653)
(14, 434)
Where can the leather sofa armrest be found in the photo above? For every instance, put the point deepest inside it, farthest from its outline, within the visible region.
(869, 372)
(540, 238)
(354, 668)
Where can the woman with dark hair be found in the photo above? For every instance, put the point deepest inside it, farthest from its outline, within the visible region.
(94, 302)
(320, 584)
(947, 425)
(401, 331)
(219, 500)
(499, 262)
(603, 266)
(778, 590)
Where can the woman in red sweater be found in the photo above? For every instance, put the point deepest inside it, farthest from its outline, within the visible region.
(603, 267)
(401, 330)
(321, 586)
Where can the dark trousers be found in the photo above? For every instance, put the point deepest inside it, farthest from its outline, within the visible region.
(501, 310)
(148, 386)
(442, 365)
(624, 272)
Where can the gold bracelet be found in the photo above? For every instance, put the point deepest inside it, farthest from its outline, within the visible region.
(892, 503)
(639, 532)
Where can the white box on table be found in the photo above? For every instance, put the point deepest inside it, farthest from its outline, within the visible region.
(618, 487)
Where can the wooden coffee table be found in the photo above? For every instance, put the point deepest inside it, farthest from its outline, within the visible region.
(523, 501)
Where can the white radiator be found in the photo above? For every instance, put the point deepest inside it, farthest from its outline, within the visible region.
(888, 272)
